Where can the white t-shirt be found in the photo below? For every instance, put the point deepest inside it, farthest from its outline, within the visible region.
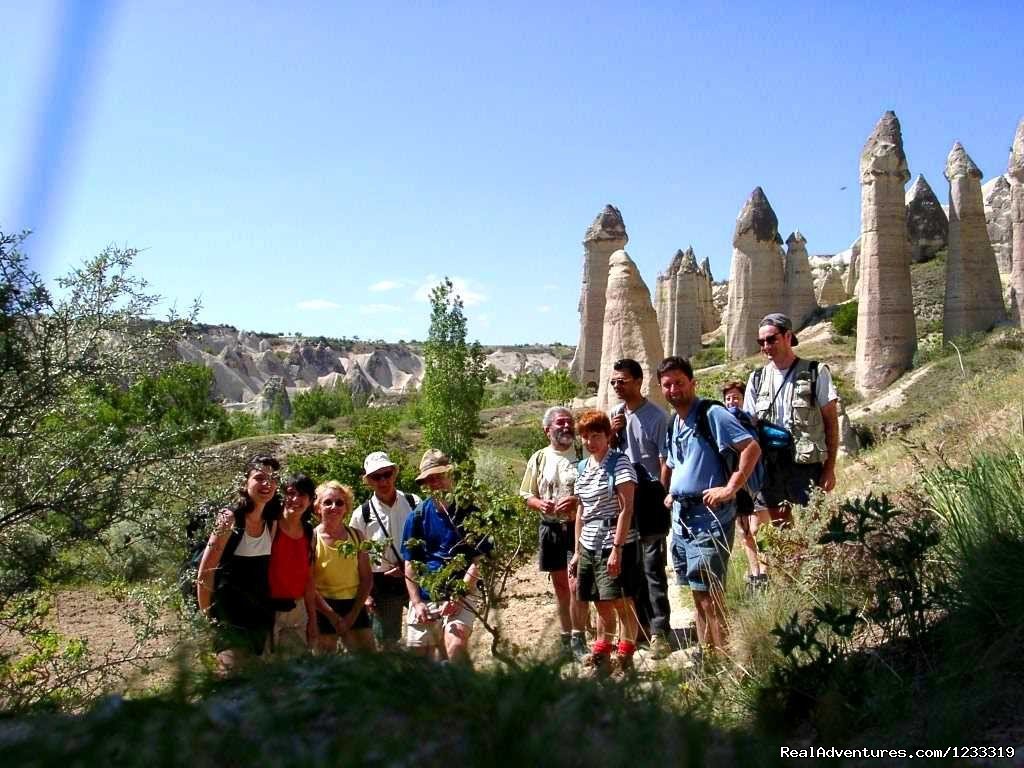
(825, 392)
(393, 518)
(550, 475)
(255, 546)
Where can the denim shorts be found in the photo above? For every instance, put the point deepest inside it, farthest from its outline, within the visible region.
(700, 554)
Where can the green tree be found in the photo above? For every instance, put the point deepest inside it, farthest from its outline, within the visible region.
(557, 386)
(310, 407)
(68, 477)
(453, 379)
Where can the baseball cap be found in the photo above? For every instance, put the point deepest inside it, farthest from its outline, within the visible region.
(376, 460)
(780, 321)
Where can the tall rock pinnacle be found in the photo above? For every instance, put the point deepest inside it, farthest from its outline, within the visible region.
(605, 236)
(974, 295)
(630, 330)
(1015, 170)
(927, 225)
(886, 329)
(798, 299)
(756, 278)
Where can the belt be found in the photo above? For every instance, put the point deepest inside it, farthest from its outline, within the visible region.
(688, 498)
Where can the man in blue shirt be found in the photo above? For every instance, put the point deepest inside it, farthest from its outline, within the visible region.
(436, 527)
(701, 495)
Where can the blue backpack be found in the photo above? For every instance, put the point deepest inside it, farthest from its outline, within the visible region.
(729, 457)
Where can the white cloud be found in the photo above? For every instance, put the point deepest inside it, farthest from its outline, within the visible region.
(385, 285)
(379, 309)
(317, 304)
(544, 308)
(471, 296)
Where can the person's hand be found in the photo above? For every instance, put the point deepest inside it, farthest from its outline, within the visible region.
(716, 497)
(395, 573)
(828, 478)
(615, 562)
(547, 507)
(668, 501)
(370, 603)
(565, 506)
(421, 612)
(618, 422)
(225, 522)
(340, 624)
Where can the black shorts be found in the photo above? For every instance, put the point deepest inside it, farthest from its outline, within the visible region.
(788, 482)
(341, 607)
(556, 545)
(593, 581)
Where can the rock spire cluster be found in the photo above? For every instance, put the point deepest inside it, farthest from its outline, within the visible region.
(998, 220)
(974, 299)
(886, 329)
(678, 295)
(630, 330)
(606, 235)
(756, 278)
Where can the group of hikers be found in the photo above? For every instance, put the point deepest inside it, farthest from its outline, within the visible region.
(606, 507)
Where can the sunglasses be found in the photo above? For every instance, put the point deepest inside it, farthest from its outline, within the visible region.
(384, 474)
(619, 382)
(768, 340)
(331, 503)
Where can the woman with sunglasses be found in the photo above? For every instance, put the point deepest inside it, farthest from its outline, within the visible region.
(341, 573)
(232, 583)
(292, 591)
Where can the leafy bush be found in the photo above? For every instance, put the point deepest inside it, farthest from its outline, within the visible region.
(708, 356)
(844, 319)
(321, 404)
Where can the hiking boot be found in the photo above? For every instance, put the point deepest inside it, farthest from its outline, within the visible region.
(621, 666)
(578, 646)
(660, 647)
(595, 665)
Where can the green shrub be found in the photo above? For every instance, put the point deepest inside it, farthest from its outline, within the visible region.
(844, 319)
(321, 404)
(708, 356)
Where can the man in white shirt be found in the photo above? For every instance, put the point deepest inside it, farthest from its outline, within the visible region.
(381, 518)
(799, 397)
(548, 489)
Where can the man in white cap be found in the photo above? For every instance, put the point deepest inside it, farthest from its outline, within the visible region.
(381, 518)
(437, 535)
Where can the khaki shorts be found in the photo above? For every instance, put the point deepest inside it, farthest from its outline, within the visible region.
(431, 633)
(289, 636)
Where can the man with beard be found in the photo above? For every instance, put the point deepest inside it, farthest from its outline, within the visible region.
(548, 489)
(702, 493)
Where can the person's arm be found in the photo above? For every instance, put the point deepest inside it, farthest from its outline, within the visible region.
(309, 599)
(365, 585)
(577, 532)
(211, 560)
(749, 452)
(830, 420)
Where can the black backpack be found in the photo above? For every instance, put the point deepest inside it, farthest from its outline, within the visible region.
(197, 534)
(759, 474)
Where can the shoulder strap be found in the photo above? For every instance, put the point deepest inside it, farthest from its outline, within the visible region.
(812, 366)
(410, 501)
(581, 466)
(756, 381)
(703, 424)
(380, 522)
(365, 510)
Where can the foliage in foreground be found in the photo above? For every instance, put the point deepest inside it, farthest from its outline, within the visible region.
(384, 711)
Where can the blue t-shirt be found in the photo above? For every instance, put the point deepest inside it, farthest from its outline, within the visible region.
(442, 535)
(696, 464)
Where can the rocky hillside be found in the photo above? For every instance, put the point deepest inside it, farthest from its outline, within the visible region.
(247, 365)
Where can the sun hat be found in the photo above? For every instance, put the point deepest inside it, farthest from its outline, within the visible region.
(780, 321)
(376, 461)
(434, 462)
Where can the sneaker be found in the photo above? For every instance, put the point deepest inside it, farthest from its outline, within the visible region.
(621, 666)
(578, 644)
(595, 665)
(660, 647)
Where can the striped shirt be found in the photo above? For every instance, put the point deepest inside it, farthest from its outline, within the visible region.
(601, 509)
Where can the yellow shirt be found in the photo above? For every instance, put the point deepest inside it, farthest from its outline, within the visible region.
(335, 575)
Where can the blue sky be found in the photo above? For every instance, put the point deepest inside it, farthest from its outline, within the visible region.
(314, 167)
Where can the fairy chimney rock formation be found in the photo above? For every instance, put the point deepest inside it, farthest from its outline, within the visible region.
(886, 330)
(1015, 171)
(755, 279)
(605, 236)
(974, 299)
(680, 321)
(927, 225)
(798, 283)
(832, 289)
(710, 318)
(851, 280)
(996, 193)
(630, 330)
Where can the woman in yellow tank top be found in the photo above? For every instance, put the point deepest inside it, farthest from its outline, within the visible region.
(343, 581)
